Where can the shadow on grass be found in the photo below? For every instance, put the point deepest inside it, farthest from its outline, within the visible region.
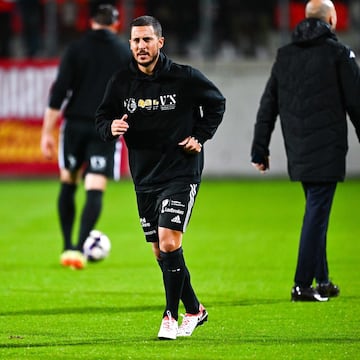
(84, 310)
(249, 302)
(96, 341)
(134, 309)
(130, 309)
(263, 301)
(263, 341)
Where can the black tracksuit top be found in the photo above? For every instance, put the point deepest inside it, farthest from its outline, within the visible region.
(175, 102)
(86, 67)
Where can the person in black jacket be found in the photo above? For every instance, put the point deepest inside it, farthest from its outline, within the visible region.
(84, 71)
(314, 84)
(166, 112)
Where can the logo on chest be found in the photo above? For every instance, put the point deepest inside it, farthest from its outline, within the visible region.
(167, 102)
(163, 103)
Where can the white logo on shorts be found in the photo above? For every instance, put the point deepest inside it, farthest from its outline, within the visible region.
(144, 223)
(164, 204)
(176, 219)
(72, 161)
(98, 162)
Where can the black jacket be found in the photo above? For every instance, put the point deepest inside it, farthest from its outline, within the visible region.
(86, 67)
(163, 109)
(314, 82)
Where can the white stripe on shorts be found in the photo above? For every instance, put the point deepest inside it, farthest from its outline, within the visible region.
(193, 188)
(61, 158)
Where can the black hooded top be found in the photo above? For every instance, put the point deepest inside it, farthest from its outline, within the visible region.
(163, 109)
(86, 67)
(314, 83)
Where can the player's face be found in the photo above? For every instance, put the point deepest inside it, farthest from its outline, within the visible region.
(145, 46)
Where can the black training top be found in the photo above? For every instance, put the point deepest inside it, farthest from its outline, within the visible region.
(84, 71)
(175, 102)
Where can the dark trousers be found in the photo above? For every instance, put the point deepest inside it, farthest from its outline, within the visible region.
(312, 261)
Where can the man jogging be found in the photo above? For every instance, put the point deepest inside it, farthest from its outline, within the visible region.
(166, 112)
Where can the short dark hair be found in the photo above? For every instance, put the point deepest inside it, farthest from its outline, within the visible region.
(105, 14)
(147, 20)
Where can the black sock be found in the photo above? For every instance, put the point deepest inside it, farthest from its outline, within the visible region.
(90, 215)
(66, 209)
(173, 266)
(188, 296)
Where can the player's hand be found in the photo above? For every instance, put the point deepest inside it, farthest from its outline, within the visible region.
(191, 145)
(48, 146)
(261, 167)
(119, 126)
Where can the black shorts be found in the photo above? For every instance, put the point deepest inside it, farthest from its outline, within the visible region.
(81, 147)
(169, 207)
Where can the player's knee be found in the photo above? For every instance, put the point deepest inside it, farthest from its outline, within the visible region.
(169, 240)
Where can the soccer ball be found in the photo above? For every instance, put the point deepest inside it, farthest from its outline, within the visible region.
(97, 246)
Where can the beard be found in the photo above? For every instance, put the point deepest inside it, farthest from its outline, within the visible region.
(152, 60)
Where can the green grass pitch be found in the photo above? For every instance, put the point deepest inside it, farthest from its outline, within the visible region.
(240, 247)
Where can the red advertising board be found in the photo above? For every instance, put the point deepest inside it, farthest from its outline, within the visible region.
(24, 88)
(297, 14)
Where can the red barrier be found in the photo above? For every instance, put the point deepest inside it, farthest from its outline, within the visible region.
(24, 88)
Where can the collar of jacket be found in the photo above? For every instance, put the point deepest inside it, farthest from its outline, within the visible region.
(163, 64)
(102, 34)
(311, 30)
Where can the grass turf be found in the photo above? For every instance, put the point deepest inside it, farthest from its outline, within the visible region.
(240, 247)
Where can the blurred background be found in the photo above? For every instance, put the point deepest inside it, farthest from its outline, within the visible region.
(221, 29)
(233, 42)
